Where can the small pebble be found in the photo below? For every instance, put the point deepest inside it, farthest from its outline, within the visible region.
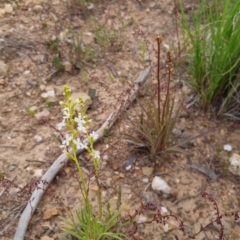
(28, 169)
(165, 228)
(145, 180)
(42, 87)
(31, 83)
(37, 8)
(33, 109)
(164, 210)
(26, 72)
(8, 8)
(227, 147)
(51, 93)
(12, 167)
(38, 173)
(159, 184)
(141, 219)
(44, 95)
(128, 167)
(43, 115)
(148, 197)
(105, 157)
(121, 175)
(38, 138)
(90, 6)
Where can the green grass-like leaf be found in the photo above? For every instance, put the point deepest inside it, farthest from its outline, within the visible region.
(56, 62)
(107, 37)
(214, 51)
(88, 227)
(150, 134)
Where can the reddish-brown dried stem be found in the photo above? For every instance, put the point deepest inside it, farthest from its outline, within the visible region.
(159, 41)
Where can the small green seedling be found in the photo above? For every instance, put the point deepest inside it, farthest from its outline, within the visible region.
(49, 104)
(109, 38)
(53, 45)
(31, 112)
(92, 93)
(56, 62)
(84, 76)
(123, 80)
(44, 26)
(106, 132)
(143, 48)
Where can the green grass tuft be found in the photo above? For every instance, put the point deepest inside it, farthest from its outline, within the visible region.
(213, 34)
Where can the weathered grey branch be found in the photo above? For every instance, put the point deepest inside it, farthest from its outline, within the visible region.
(62, 159)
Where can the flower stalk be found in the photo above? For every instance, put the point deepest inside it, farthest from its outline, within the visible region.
(78, 125)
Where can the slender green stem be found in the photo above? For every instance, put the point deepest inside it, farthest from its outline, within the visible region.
(81, 175)
(84, 184)
(99, 195)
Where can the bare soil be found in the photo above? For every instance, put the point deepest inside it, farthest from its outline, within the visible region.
(24, 32)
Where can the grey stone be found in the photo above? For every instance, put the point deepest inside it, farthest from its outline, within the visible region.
(43, 115)
(37, 8)
(86, 99)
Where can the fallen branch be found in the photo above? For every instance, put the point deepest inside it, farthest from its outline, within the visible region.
(63, 159)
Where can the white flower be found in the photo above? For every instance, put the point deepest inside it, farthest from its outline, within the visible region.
(97, 155)
(66, 114)
(94, 135)
(85, 145)
(80, 123)
(81, 128)
(79, 144)
(61, 125)
(227, 147)
(79, 119)
(67, 140)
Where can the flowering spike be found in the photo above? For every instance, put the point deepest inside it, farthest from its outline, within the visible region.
(66, 91)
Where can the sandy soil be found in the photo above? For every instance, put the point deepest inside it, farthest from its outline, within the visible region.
(28, 148)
